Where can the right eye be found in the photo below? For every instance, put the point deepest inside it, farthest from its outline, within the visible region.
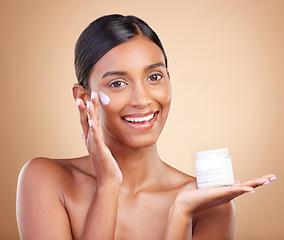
(117, 84)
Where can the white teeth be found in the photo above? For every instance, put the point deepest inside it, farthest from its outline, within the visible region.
(141, 119)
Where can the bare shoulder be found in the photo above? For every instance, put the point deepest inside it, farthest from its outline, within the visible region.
(177, 178)
(41, 165)
(41, 168)
(43, 187)
(49, 174)
(216, 221)
(39, 177)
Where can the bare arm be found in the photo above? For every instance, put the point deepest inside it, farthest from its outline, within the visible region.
(40, 203)
(217, 222)
(101, 218)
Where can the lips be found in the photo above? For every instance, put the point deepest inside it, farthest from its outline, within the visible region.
(141, 121)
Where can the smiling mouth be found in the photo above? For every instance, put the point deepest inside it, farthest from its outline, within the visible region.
(144, 122)
(139, 119)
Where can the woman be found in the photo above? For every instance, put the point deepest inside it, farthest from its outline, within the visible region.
(122, 189)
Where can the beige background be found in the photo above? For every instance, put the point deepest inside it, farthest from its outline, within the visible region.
(226, 62)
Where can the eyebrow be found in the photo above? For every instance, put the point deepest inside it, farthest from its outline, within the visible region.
(160, 64)
(113, 73)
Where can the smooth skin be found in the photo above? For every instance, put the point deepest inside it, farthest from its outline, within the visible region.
(122, 189)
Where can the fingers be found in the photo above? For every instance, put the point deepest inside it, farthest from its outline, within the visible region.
(241, 190)
(271, 177)
(83, 117)
(95, 100)
(89, 116)
(235, 190)
(259, 181)
(256, 182)
(248, 186)
(93, 109)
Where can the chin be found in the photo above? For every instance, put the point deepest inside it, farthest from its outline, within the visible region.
(141, 143)
(131, 140)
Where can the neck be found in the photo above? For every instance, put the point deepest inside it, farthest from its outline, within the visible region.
(140, 167)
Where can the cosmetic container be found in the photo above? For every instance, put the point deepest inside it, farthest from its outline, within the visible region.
(214, 168)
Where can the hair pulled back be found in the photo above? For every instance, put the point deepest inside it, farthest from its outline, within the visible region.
(104, 34)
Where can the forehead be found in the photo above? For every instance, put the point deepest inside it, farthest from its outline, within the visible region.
(134, 54)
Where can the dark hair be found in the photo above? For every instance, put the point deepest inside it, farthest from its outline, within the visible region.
(104, 34)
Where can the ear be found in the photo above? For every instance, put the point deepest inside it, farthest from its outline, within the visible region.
(168, 74)
(80, 92)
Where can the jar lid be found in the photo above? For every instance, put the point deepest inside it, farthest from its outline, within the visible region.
(222, 152)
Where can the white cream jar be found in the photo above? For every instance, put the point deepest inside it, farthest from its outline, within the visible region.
(214, 168)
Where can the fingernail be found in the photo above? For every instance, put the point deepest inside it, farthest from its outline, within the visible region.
(82, 136)
(92, 95)
(265, 183)
(90, 122)
(272, 179)
(88, 105)
(78, 101)
(251, 192)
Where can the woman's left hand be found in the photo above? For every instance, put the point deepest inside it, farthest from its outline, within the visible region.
(193, 200)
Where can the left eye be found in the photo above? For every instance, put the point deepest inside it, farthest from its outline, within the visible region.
(117, 84)
(155, 77)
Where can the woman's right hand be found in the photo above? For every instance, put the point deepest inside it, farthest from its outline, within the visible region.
(105, 166)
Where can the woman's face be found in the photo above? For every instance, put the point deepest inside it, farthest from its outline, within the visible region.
(134, 77)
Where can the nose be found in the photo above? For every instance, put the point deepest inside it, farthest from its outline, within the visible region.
(140, 96)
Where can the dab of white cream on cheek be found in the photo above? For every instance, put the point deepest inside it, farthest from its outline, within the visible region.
(104, 98)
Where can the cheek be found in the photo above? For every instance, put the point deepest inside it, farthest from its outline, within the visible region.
(110, 108)
(163, 95)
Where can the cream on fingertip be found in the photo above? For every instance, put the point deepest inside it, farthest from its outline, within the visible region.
(93, 95)
(272, 179)
(90, 122)
(82, 136)
(78, 101)
(104, 98)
